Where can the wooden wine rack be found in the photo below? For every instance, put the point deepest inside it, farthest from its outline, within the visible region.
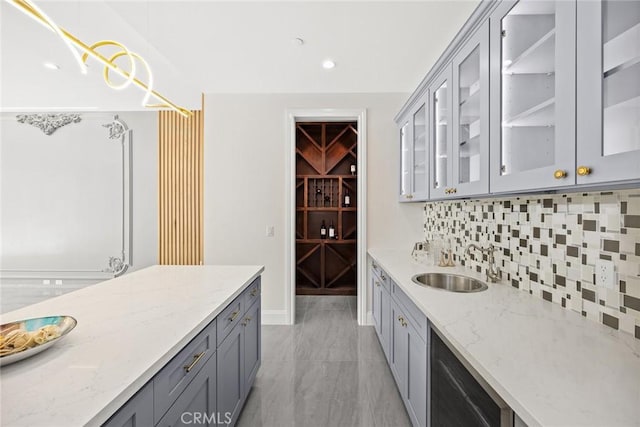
(324, 155)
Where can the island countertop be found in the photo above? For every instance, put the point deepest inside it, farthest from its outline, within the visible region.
(552, 366)
(128, 329)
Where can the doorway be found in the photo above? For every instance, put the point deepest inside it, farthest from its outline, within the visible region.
(326, 208)
(345, 118)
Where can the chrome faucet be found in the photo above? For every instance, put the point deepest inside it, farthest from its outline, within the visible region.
(493, 272)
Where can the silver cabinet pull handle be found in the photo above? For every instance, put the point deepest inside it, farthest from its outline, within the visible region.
(196, 359)
(234, 315)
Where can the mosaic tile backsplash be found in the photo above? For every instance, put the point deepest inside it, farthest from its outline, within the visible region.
(549, 246)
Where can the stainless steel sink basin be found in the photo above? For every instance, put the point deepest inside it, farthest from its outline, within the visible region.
(449, 282)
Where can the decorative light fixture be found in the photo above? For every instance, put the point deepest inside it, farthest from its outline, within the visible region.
(81, 51)
(328, 64)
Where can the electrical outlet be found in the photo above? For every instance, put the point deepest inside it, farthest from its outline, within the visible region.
(270, 230)
(605, 274)
(58, 282)
(46, 282)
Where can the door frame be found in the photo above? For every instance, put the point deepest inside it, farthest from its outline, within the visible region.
(293, 116)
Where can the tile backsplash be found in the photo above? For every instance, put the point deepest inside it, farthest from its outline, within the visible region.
(549, 246)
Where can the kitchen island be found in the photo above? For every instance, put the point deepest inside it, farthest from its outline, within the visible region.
(128, 329)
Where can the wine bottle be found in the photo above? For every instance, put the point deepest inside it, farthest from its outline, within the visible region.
(347, 199)
(323, 230)
(332, 231)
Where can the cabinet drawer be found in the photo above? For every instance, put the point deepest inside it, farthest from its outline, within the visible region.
(379, 274)
(171, 381)
(230, 317)
(251, 294)
(197, 404)
(414, 314)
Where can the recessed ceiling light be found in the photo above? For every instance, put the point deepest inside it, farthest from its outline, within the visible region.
(51, 66)
(328, 64)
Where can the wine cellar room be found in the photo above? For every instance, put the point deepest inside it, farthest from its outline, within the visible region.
(326, 210)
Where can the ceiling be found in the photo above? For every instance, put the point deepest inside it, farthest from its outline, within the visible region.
(199, 47)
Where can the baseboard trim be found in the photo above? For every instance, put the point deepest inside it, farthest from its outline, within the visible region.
(369, 318)
(275, 317)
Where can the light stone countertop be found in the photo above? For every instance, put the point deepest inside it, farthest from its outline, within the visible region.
(128, 329)
(552, 366)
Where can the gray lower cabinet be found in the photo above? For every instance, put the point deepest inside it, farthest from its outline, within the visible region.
(408, 351)
(381, 312)
(197, 403)
(205, 383)
(398, 354)
(435, 386)
(231, 379)
(409, 364)
(416, 399)
(239, 358)
(252, 345)
(174, 378)
(137, 412)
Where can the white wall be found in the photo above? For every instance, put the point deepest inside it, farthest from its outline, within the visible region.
(66, 239)
(245, 146)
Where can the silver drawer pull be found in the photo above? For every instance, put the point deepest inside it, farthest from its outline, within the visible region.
(246, 321)
(254, 292)
(196, 359)
(234, 315)
(377, 283)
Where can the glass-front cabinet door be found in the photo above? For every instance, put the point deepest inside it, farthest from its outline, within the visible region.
(441, 135)
(532, 95)
(414, 164)
(420, 177)
(470, 157)
(405, 161)
(608, 98)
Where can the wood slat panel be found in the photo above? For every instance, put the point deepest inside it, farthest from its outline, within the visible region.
(180, 188)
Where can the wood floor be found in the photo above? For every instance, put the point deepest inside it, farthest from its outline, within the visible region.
(324, 371)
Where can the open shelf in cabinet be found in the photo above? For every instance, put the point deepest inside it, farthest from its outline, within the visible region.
(542, 114)
(622, 51)
(539, 58)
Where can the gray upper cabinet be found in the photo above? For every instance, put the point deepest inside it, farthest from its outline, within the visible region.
(608, 98)
(470, 156)
(532, 95)
(441, 135)
(414, 163)
(405, 161)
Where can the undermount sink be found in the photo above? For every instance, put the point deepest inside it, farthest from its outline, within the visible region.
(449, 282)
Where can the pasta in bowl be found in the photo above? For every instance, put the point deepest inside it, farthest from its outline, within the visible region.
(24, 338)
